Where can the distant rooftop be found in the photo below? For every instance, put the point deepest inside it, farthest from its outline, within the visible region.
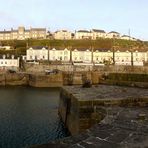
(97, 30)
(86, 31)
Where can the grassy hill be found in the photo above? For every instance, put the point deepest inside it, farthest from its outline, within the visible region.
(20, 45)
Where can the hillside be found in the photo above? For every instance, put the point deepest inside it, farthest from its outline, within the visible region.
(20, 45)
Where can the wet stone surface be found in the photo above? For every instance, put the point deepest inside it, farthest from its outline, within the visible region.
(125, 124)
(105, 92)
(120, 130)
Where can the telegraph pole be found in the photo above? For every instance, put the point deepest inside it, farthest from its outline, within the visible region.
(132, 64)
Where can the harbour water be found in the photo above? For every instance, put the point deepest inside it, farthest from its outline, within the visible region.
(29, 116)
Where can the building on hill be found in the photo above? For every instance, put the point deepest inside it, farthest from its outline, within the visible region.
(83, 34)
(98, 34)
(9, 62)
(113, 34)
(59, 55)
(43, 53)
(62, 35)
(37, 53)
(126, 37)
(82, 55)
(22, 34)
(122, 57)
(102, 56)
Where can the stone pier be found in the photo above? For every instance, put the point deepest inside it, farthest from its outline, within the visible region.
(81, 108)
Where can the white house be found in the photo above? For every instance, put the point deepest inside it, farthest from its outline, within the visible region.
(9, 62)
(98, 34)
(122, 58)
(113, 34)
(37, 53)
(59, 54)
(126, 37)
(82, 55)
(83, 34)
(139, 57)
(62, 35)
(100, 56)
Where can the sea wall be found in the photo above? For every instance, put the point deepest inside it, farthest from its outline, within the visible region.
(52, 80)
(81, 108)
(125, 79)
(85, 68)
(14, 79)
(74, 78)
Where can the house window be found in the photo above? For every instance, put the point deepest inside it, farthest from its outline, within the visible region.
(5, 62)
(43, 57)
(31, 57)
(1, 62)
(66, 52)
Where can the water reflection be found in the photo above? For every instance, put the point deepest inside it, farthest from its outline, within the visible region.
(29, 116)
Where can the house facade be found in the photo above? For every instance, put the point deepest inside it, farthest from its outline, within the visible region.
(59, 54)
(113, 34)
(22, 34)
(98, 34)
(37, 53)
(126, 37)
(122, 58)
(83, 34)
(98, 56)
(82, 55)
(9, 62)
(62, 35)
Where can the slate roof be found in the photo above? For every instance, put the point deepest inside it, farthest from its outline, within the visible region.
(97, 30)
(114, 32)
(86, 31)
(39, 47)
(5, 31)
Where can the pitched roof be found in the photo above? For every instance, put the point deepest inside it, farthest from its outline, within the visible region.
(5, 31)
(38, 47)
(97, 30)
(86, 31)
(114, 32)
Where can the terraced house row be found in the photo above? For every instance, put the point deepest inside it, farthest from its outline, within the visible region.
(40, 33)
(97, 56)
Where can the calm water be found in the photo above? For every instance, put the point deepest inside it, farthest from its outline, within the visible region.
(29, 116)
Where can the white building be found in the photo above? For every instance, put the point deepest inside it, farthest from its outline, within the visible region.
(37, 53)
(113, 34)
(83, 34)
(139, 57)
(99, 56)
(62, 35)
(9, 62)
(126, 37)
(82, 55)
(59, 55)
(102, 56)
(98, 34)
(122, 58)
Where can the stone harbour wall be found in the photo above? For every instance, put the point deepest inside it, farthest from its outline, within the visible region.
(81, 108)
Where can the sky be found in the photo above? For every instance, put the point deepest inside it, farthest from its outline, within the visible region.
(108, 15)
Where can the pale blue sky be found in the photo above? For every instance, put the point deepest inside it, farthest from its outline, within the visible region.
(110, 15)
